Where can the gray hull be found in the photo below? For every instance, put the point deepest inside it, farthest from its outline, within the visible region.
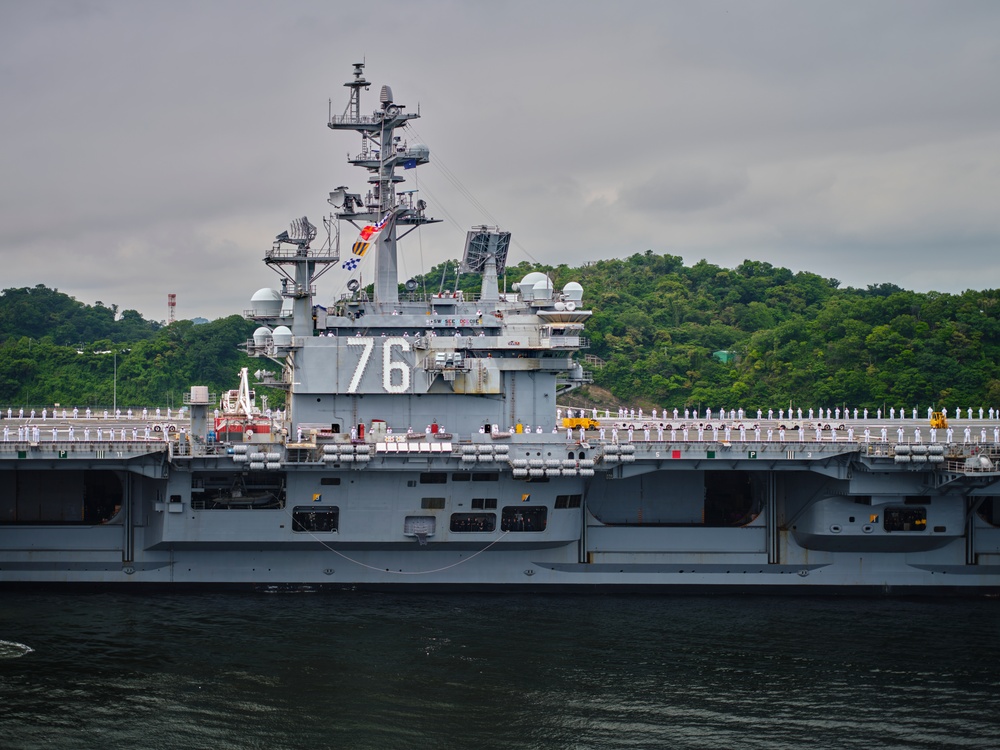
(795, 518)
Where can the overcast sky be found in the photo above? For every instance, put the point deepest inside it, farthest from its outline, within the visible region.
(154, 147)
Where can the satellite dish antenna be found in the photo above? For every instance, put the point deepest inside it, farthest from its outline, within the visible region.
(411, 285)
(353, 285)
(337, 197)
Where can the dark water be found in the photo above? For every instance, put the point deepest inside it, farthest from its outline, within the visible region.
(380, 671)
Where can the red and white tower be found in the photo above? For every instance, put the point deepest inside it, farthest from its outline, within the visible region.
(171, 308)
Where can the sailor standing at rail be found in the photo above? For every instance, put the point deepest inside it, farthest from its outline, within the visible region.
(850, 434)
(950, 434)
(899, 433)
(868, 435)
(968, 435)
(916, 435)
(600, 434)
(659, 432)
(802, 434)
(6, 433)
(819, 433)
(933, 434)
(614, 436)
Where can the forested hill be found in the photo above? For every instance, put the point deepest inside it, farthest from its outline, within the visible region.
(39, 312)
(54, 349)
(796, 337)
(657, 325)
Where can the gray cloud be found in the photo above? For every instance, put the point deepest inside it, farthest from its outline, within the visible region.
(155, 148)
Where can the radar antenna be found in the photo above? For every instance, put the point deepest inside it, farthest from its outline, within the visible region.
(486, 253)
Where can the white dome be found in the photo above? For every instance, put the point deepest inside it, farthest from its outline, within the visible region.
(282, 336)
(261, 335)
(527, 285)
(418, 151)
(543, 288)
(266, 302)
(573, 291)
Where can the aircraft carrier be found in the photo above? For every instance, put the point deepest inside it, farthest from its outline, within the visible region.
(422, 448)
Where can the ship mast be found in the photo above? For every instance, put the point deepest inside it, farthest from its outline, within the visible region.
(382, 151)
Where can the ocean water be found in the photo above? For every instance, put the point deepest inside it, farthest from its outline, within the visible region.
(383, 671)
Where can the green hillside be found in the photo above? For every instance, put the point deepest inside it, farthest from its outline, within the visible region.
(54, 349)
(668, 334)
(793, 337)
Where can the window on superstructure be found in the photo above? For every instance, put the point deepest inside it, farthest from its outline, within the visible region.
(484, 503)
(434, 477)
(524, 518)
(486, 476)
(568, 501)
(461, 477)
(315, 519)
(432, 503)
(905, 519)
(329, 480)
(473, 521)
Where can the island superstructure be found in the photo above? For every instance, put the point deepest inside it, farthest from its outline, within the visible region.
(420, 448)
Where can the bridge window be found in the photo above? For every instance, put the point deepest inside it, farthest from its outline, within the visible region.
(484, 503)
(432, 503)
(434, 477)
